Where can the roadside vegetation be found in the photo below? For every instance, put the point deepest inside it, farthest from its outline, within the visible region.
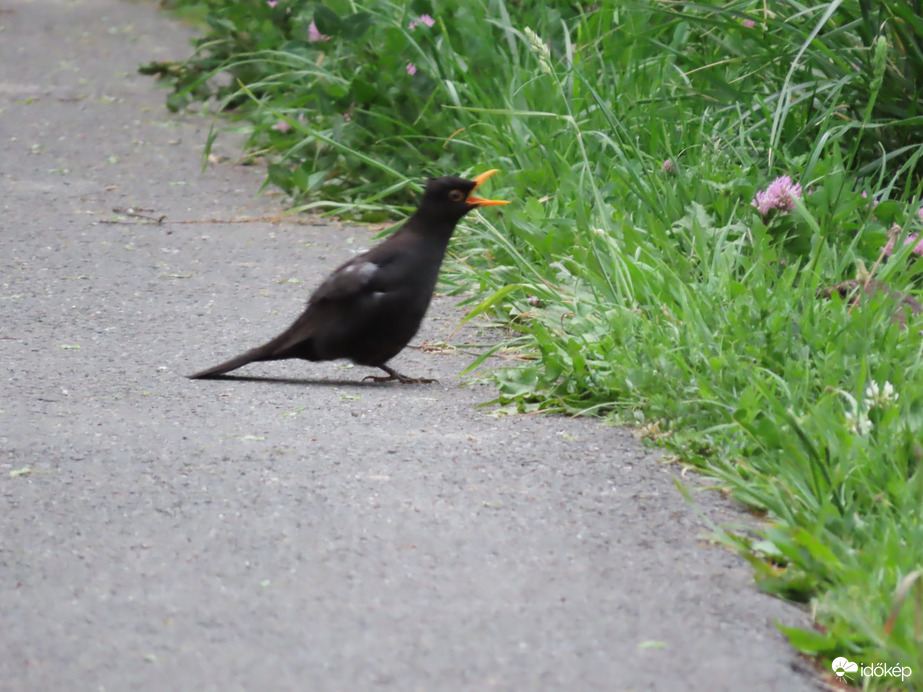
(714, 237)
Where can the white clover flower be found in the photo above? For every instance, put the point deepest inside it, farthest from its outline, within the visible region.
(858, 424)
(888, 393)
(880, 395)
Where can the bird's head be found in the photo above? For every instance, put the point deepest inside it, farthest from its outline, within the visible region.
(450, 196)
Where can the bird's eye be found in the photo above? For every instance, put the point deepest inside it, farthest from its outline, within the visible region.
(456, 195)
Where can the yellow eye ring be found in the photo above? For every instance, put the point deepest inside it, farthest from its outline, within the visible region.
(456, 196)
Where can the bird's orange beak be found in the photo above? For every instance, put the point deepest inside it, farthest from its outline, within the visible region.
(480, 201)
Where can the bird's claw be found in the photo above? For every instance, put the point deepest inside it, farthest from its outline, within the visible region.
(403, 379)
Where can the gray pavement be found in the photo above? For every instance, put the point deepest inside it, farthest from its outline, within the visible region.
(297, 529)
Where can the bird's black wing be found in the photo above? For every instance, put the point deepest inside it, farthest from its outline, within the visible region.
(340, 300)
(379, 270)
(349, 281)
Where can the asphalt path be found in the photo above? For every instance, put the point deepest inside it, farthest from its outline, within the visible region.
(296, 528)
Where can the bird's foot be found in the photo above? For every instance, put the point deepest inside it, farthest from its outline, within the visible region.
(395, 375)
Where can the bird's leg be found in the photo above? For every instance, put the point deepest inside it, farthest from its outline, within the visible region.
(395, 375)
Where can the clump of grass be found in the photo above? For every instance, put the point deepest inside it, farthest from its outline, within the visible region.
(652, 270)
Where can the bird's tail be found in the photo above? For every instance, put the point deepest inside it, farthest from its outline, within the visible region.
(252, 356)
(295, 342)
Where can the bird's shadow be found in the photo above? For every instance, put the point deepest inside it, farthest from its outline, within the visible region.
(321, 382)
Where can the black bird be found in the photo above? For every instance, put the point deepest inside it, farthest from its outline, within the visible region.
(369, 308)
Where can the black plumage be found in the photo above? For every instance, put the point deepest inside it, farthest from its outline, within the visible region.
(370, 307)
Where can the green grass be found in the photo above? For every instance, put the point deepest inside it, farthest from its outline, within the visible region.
(658, 298)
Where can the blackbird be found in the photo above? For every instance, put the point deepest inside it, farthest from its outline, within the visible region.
(370, 307)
